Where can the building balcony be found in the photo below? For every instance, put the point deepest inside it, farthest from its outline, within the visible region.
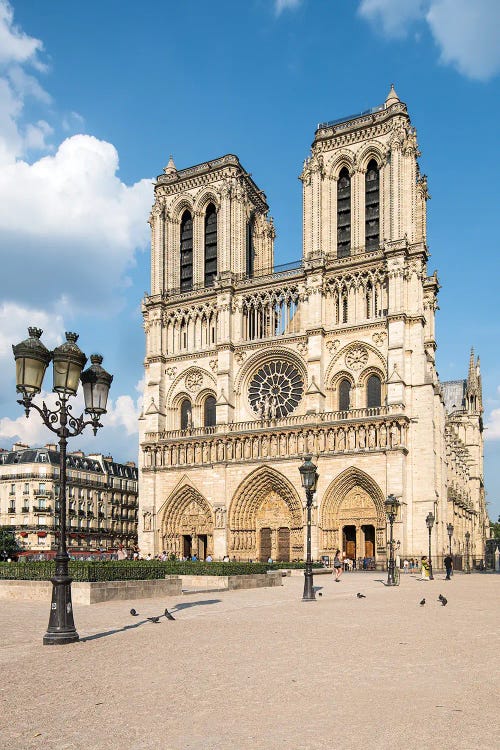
(42, 493)
(25, 509)
(11, 510)
(42, 509)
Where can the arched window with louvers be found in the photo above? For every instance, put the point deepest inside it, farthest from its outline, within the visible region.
(344, 214)
(372, 207)
(186, 252)
(210, 245)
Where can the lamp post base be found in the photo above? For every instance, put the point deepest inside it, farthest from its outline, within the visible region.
(308, 595)
(61, 628)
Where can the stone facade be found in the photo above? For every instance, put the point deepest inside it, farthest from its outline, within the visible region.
(101, 499)
(249, 369)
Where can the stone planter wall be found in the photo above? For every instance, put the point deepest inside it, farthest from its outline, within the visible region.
(93, 593)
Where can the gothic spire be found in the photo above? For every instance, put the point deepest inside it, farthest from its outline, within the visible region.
(392, 97)
(170, 168)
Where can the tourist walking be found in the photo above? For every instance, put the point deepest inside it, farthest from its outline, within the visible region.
(337, 566)
(406, 565)
(448, 564)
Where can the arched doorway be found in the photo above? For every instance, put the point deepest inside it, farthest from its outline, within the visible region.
(353, 518)
(187, 524)
(266, 518)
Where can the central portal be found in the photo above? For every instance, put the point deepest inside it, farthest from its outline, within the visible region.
(273, 522)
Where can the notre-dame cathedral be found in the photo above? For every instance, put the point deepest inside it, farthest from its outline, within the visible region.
(250, 366)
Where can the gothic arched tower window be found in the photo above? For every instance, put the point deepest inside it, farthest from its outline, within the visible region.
(210, 244)
(373, 392)
(372, 207)
(186, 414)
(209, 418)
(343, 214)
(344, 395)
(186, 254)
(250, 249)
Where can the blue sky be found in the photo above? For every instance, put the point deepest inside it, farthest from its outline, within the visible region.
(94, 97)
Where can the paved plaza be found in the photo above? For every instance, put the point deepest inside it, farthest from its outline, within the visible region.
(261, 670)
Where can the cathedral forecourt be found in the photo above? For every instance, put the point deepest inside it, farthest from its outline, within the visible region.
(249, 366)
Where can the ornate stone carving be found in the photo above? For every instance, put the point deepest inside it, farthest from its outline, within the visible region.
(213, 364)
(194, 380)
(356, 357)
(170, 372)
(379, 338)
(333, 345)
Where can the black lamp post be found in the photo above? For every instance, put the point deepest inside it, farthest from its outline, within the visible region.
(309, 478)
(430, 523)
(449, 528)
(32, 359)
(467, 542)
(391, 508)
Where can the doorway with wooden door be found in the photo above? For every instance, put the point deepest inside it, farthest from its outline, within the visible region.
(349, 541)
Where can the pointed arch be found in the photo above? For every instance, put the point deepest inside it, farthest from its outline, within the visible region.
(186, 511)
(266, 518)
(252, 492)
(338, 490)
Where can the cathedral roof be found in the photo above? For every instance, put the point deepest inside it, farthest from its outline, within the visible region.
(454, 395)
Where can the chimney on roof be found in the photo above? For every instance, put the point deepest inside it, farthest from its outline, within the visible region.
(20, 447)
(50, 447)
(130, 463)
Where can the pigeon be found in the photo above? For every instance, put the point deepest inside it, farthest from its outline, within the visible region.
(360, 596)
(422, 602)
(134, 613)
(153, 619)
(168, 615)
(443, 600)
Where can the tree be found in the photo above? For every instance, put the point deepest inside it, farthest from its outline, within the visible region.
(8, 543)
(495, 528)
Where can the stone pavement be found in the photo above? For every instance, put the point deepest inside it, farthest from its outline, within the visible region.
(259, 669)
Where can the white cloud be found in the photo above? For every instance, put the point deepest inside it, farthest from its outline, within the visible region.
(281, 5)
(392, 17)
(66, 217)
(70, 220)
(465, 31)
(119, 431)
(15, 45)
(492, 426)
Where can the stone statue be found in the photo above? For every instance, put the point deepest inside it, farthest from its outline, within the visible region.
(371, 436)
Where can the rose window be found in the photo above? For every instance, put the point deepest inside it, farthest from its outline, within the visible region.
(275, 390)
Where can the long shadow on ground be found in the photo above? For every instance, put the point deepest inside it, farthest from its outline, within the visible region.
(175, 608)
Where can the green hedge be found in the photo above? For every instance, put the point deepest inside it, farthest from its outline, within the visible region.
(291, 565)
(126, 570)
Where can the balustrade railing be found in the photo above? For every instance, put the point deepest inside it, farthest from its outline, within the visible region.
(293, 420)
(369, 430)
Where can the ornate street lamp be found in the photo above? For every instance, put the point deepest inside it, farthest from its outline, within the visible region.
(32, 359)
(391, 508)
(449, 528)
(309, 478)
(430, 523)
(467, 542)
